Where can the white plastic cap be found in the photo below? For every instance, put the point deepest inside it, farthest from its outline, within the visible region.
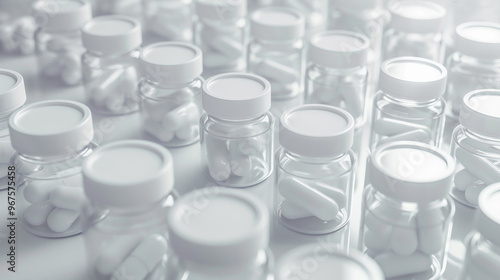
(171, 62)
(316, 130)
(277, 24)
(488, 216)
(51, 128)
(417, 16)
(129, 173)
(61, 14)
(12, 91)
(480, 112)
(413, 78)
(338, 49)
(114, 34)
(296, 264)
(236, 96)
(411, 171)
(219, 226)
(221, 10)
(478, 39)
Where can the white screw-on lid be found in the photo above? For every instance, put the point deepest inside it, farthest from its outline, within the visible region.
(128, 173)
(114, 34)
(411, 171)
(338, 49)
(413, 78)
(236, 96)
(61, 15)
(171, 62)
(416, 16)
(313, 262)
(277, 24)
(488, 216)
(480, 112)
(219, 226)
(12, 91)
(478, 39)
(316, 130)
(51, 128)
(221, 10)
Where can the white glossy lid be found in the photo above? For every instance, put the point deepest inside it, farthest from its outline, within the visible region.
(488, 216)
(277, 24)
(51, 128)
(221, 10)
(12, 91)
(174, 62)
(128, 173)
(411, 171)
(480, 112)
(416, 16)
(236, 96)
(338, 49)
(478, 39)
(313, 262)
(219, 226)
(413, 78)
(316, 130)
(114, 34)
(61, 14)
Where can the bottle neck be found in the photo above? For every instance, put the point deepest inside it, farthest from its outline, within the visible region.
(314, 160)
(337, 71)
(70, 156)
(405, 101)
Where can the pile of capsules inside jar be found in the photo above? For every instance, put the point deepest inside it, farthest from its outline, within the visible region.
(352, 138)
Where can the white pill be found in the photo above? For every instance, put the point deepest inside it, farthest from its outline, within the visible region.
(39, 190)
(143, 258)
(276, 71)
(332, 192)
(376, 225)
(464, 179)
(353, 94)
(114, 253)
(6, 151)
(260, 169)
(240, 164)
(187, 113)
(215, 60)
(227, 46)
(404, 241)
(376, 242)
(71, 61)
(479, 167)
(472, 193)
(218, 159)
(156, 109)
(72, 198)
(71, 77)
(157, 130)
(292, 211)
(430, 239)
(105, 85)
(418, 135)
(395, 265)
(390, 127)
(36, 214)
(188, 132)
(60, 220)
(308, 198)
(250, 147)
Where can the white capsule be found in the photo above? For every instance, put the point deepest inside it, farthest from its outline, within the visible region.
(463, 179)
(114, 252)
(218, 159)
(60, 220)
(227, 46)
(39, 190)
(277, 71)
(72, 198)
(187, 113)
(250, 147)
(240, 164)
(292, 211)
(376, 225)
(308, 198)
(353, 95)
(472, 194)
(188, 133)
(6, 151)
(404, 241)
(332, 192)
(164, 26)
(157, 130)
(156, 109)
(430, 239)
(479, 167)
(390, 127)
(376, 242)
(71, 62)
(105, 85)
(395, 265)
(143, 258)
(36, 214)
(418, 135)
(215, 60)
(71, 77)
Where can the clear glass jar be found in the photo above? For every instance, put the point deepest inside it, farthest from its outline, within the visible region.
(416, 29)
(237, 129)
(406, 209)
(220, 32)
(474, 65)
(17, 27)
(219, 234)
(337, 74)
(314, 169)
(314, 11)
(169, 20)
(110, 70)
(48, 158)
(126, 222)
(12, 97)
(170, 91)
(474, 144)
(276, 54)
(483, 244)
(409, 106)
(314, 261)
(58, 40)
